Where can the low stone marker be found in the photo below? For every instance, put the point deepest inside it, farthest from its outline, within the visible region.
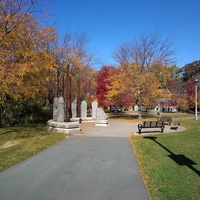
(101, 118)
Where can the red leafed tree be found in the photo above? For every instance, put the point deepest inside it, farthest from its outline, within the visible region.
(191, 92)
(103, 83)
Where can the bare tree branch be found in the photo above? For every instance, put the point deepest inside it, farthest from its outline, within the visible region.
(146, 50)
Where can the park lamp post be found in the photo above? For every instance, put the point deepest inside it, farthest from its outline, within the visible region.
(196, 82)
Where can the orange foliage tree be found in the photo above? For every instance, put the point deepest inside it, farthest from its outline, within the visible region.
(27, 66)
(129, 87)
(144, 68)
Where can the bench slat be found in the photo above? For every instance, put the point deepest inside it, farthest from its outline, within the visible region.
(151, 124)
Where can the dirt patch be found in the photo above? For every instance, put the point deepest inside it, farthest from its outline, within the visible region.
(9, 144)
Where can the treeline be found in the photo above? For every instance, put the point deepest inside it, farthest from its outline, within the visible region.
(128, 85)
(36, 65)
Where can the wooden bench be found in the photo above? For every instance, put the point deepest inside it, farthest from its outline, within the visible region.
(166, 119)
(151, 124)
(176, 123)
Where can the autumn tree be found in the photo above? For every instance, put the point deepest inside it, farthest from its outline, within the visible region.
(74, 60)
(129, 87)
(190, 70)
(26, 64)
(23, 51)
(191, 92)
(27, 71)
(121, 87)
(183, 103)
(26, 59)
(151, 53)
(13, 13)
(146, 50)
(182, 86)
(103, 84)
(79, 58)
(177, 88)
(33, 63)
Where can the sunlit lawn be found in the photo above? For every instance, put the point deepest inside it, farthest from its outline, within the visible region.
(170, 163)
(20, 142)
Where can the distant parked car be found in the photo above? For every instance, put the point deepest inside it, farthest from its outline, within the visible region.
(115, 110)
(170, 109)
(118, 110)
(112, 109)
(173, 109)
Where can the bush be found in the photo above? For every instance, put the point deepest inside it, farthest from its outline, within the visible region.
(23, 111)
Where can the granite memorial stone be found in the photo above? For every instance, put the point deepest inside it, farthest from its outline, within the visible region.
(74, 109)
(83, 109)
(94, 109)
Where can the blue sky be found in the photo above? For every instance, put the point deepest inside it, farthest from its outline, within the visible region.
(109, 23)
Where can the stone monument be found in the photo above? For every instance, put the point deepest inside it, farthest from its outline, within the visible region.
(101, 119)
(94, 109)
(74, 109)
(58, 123)
(83, 110)
(58, 109)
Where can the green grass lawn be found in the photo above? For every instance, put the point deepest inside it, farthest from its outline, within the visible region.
(20, 142)
(170, 163)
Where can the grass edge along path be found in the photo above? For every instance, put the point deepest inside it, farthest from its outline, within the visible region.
(170, 163)
(21, 142)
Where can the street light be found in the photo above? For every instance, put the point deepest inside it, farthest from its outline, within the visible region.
(196, 82)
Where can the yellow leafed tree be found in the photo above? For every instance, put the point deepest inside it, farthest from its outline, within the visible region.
(27, 65)
(130, 86)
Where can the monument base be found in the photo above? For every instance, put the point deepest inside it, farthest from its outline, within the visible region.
(101, 122)
(63, 127)
(77, 119)
(86, 119)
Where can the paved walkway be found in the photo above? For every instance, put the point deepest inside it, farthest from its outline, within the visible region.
(99, 167)
(115, 128)
(120, 128)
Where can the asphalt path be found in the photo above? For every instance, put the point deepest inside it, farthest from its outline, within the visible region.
(96, 164)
